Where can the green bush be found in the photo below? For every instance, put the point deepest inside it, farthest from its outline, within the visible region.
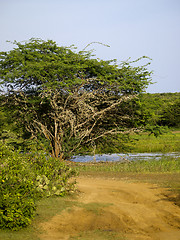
(24, 178)
(52, 176)
(16, 211)
(17, 190)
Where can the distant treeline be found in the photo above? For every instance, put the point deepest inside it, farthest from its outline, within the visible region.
(161, 108)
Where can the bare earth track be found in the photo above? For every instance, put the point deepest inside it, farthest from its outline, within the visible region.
(131, 211)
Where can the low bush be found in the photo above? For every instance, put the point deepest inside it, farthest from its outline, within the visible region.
(52, 176)
(17, 190)
(24, 178)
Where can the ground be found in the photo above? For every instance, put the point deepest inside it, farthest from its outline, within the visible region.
(115, 209)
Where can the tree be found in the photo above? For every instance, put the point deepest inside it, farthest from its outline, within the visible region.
(69, 97)
(170, 115)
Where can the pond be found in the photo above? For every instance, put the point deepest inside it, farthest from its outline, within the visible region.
(123, 157)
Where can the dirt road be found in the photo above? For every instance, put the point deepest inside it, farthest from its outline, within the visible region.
(116, 209)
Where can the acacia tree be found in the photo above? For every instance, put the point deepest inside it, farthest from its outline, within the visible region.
(69, 97)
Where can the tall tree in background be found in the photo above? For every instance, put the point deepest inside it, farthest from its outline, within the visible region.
(69, 97)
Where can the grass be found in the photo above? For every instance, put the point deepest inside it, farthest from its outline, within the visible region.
(95, 207)
(164, 165)
(99, 235)
(46, 209)
(138, 143)
(49, 207)
(169, 142)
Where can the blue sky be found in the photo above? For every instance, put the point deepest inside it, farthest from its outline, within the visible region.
(132, 28)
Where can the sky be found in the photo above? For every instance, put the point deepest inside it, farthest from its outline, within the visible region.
(132, 28)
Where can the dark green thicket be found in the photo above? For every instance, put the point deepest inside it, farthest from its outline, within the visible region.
(161, 108)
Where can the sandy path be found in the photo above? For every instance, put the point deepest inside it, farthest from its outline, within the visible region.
(136, 210)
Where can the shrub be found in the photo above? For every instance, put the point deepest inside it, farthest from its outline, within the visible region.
(17, 190)
(23, 179)
(16, 211)
(52, 175)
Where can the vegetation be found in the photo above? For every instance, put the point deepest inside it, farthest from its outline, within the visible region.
(136, 143)
(167, 142)
(45, 209)
(165, 164)
(69, 98)
(74, 103)
(24, 178)
(17, 191)
(155, 139)
(56, 102)
(162, 108)
(48, 207)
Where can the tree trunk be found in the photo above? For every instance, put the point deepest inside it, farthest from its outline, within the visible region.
(57, 150)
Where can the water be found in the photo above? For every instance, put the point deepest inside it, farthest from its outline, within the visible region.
(123, 157)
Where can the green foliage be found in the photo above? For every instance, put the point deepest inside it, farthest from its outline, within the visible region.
(52, 175)
(170, 115)
(37, 63)
(17, 206)
(110, 144)
(11, 131)
(49, 85)
(24, 178)
(16, 211)
(156, 130)
(161, 108)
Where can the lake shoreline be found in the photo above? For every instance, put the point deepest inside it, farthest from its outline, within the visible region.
(121, 157)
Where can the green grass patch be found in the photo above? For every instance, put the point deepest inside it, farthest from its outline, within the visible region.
(99, 235)
(95, 207)
(46, 209)
(164, 165)
(169, 142)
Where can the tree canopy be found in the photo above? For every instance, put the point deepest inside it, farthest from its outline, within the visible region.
(67, 96)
